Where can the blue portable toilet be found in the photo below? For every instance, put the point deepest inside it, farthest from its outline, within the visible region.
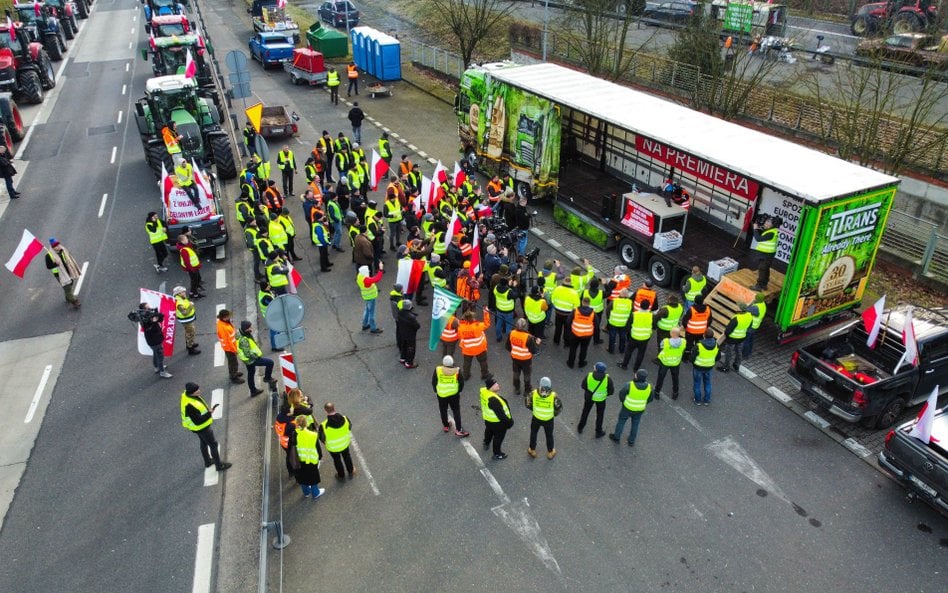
(359, 55)
(370, 36)
(387, 55)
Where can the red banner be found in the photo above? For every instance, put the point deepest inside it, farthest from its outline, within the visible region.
(638, 218)
(713, 174)
(164, 303)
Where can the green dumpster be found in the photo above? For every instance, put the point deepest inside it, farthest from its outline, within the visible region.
(329, 42)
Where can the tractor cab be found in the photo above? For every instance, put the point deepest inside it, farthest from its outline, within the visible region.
(174, 99)
(169, 25)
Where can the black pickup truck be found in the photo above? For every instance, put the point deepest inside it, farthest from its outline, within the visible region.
(856, 383)
(922, 468)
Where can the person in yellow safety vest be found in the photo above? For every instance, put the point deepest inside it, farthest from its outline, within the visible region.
(522, 346)
(496, 415)
(597, 386)
(703, 359)
(666, 318)
(545, 405)
(286, 162)
(171, 138)
(198, 417)
(358, 155)
(276, 231)
(620, 311)
(278, 273)
(447, 383)
(308, 454)
(505, 304)
(579, 278)
(341, 142)
(309, 170)
(265, 296)
(766, 241)
(250, 354)
(535, 308)
(158, 237)
(244, 208)
(369, 290)
(581, 321)
(184, 178)
(564, 300)
(191, 262)
(671, 351)
(693, 286)
(635, 396)
(185, 314)
(352, 73)
(748, 346)
(733, 337)
(336, 433)
(321, 239)
(283, 426)
(286, 221)
(640, 331)
(332, 82)
(343, 161)
(250, 139)
(385, 149)
(262, 171)
(597, 300)
(436, 274)
(394, 216)
(262, 250)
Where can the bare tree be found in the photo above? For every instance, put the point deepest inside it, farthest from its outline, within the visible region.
(470, 22)
(599, 34)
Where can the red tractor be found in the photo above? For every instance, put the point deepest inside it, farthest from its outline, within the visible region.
(898, 16)
(25, 67)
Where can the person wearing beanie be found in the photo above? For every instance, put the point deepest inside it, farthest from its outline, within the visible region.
(395, 299)
(596, 386)
(522, 346)
(640, 332)
(320, 236)
(617, 320)
(545, 405)
(670, 354)
(227, 336)
(252, 357)
(158, 237)
(336, 432)
(535, 309)
(65, 270)
(185, 314)
(198, 417)
(635, 396)
(406, 330)
(497, 419)
(758, 309)
(703, 359)
(696, 321)
(369, 290)
(735, 332)
(447, 383)
(308, 453)
(667, 317)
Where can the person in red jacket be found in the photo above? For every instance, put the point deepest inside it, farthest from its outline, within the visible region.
(368, 287)
(191, 262)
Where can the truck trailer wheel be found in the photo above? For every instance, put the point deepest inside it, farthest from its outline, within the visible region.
(891, 413)
(660, 270)
(524, 190)
(630, 253)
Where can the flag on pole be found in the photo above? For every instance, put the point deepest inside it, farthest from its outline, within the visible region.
(167, 185)
(151, 42)
(281, 4)
(452, 226)
(908, 338)
(748, 218)
(872, 318)
(926, 418)
(409, 274)
(427, 189)
(443, 305)
(163, 303)
(459, 175)
(28, 248)
(190, 67)
(378, 169)
(440, 176)
(295, 279)
(476, 252)
(12, 29)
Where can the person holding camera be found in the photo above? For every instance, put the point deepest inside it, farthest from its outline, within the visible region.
(150, 321)
(521, 220)
(766, 238)
(197, 417)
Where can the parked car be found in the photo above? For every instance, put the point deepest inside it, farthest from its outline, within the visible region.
(921, 467)
(915, 49)
(271, 48)
(339, 13)
(855, 382)
(677, 12)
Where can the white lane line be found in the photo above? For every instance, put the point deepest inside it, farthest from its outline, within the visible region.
(300, 141)
(218, 355)
(119, 117)
(41, 116)
(105, 198)
(472, 452)
(203, 559)
(365, 468)
(220, 280)
(131, 44)
(495, 486)
(688, 417)
(217, 399)
(38, 394)
(219, 307)
(134, 18)
(126, 67)
(730, 452)
(82, 276)
(124, 88)
(112, 158)
(210, 476)
(132, 32)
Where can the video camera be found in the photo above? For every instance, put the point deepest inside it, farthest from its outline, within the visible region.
(141, 315)
(760, 219)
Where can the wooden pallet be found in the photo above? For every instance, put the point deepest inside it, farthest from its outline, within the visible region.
(734, 290)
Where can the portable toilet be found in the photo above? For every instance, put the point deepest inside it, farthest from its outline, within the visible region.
(387, 54)
(329, 42)
(368, 42)
(356, 38)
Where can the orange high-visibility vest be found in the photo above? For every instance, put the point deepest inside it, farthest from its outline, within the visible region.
(471, 334)
(518, 345)
(352, 71)
(698, 322)
(622, 282)
(450, 332)
(642, 294)
(280, 429)
(583, 324)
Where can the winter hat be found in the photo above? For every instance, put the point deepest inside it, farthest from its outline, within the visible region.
(398, 287)
(179, 290)
(245, 325)
(407, 305)
(600, 367)
(435, 258)
(53, 242)
(489, 382)
(447, 361)
(191, 388)
(641, 375)
(364, 270)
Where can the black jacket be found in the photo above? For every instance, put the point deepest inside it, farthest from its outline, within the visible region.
(406, 325)
(152, 329)
(356, 115)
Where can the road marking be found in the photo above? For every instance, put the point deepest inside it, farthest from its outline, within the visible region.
(301, 142)
(132, 32)
(38, 394)
(114, 150)
(217, 399)
(131, 44)
(134, 18)
(105, 198)
(41, 115)
(220, 280)
(423, 154)
(203, 559)
(495, 486)
(124, 88)
(731, 453)
(82, 276)
(220, 252)
(816, 419)
(365, 468)
(778, 395)
(119, 120)
(537, 232)
(413, 147)
(824, 33)
(126, 67)
(218, 355)
(554, 243)
(856, 448)
(688, 417)
(210, 476)
(746, 372)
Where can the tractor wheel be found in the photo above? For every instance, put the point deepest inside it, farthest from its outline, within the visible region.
(51, 44)
(67, 29)
(155, 155)
(75, 25)
(223, 155)
(6, 139)
(82, 9)
(906, 22)
(861, 27)
(30, 87)
(46, 73)
(10, 115)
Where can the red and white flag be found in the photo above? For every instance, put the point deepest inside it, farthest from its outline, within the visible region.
(28, 248)
(167, 185)
(926, 418)
(37, 8)
(453, 226)
(281, 4)
(476, 252)
(440, 173)
(409, 274)
(911, 343)
(190, 67)
(426, 194)
(12, 29)
(377, 171)
(295, 279)
(459, 175)
(872, 318)
(165, 304)
(202, 182)
(151, 42)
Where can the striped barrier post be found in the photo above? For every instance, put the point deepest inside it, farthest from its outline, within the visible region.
(288, 372)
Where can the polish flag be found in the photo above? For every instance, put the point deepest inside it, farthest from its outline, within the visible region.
(908, 338)
(295, 279)
(167, 185)
(872, 318)
(165, 304)
(459, 175)
(37, 10)
(926, 418)
(12, 29)
(440, 174)
(748, 218)
(190, 67)
(378, 169)
(476, 252)
(151, 42)
(427, 193)
(28, 248)
(453, 226)
(281, 4)
(202, 182)
(410, 273)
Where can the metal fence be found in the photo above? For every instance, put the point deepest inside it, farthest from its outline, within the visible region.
(433, 57)
(917, 241)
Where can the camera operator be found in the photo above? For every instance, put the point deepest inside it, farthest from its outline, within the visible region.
(150, 321)
(521, 219)
(766, 237)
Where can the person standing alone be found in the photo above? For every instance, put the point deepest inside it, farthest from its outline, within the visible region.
(65, 269)
(7, 171)
(356, 115)
(157, 236)
(545, 405)
(368, 287)
(352, 73)
(286, 162)
(198, 418)
(448, 383)
(497, 418)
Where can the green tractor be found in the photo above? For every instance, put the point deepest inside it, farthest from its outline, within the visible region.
(169, 56)
(174, 99)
